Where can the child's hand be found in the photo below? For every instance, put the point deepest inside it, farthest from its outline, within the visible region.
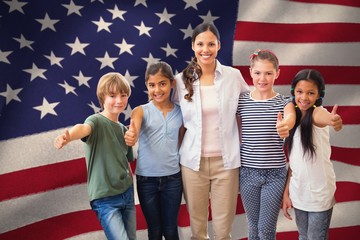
(336, 120)
(286, 205)
(131, 134)
(62, 140)
(281, 127)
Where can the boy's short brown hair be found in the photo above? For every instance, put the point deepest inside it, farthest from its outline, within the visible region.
(110, 82)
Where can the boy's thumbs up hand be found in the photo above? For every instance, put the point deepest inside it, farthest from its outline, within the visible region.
(131, 134)
(336, 120)
(281, 127)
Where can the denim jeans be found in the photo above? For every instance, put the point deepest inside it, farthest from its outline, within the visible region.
(313, 225)
(117, 215)
(160, 199)
(261, 192)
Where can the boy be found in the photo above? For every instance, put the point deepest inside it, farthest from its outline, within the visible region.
(110, 186)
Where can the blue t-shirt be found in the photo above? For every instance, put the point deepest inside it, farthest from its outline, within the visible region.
(158, 153)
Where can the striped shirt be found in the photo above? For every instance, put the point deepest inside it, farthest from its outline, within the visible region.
(261, 146)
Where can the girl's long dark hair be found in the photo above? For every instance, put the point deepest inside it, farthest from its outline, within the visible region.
(193, 71)
(305, 122)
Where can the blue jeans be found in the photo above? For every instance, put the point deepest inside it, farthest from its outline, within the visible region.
(117, 215)
(261, 191)
(160, 199)
(313, 225)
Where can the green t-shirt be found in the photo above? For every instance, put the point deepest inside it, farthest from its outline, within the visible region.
(107, 158)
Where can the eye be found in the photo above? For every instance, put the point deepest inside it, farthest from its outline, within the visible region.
(163, 84)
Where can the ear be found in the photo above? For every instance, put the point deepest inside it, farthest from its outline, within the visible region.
(192, 47)
(277, 74)
(219, 46)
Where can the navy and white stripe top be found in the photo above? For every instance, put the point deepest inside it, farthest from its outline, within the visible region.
(261, 146)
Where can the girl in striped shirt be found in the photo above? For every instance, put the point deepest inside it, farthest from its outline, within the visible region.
(263, 164)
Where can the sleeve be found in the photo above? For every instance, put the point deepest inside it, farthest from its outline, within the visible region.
(91, 120)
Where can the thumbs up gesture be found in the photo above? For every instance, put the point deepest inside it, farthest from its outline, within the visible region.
(62, 140)
(131, 134)
(281, 127)
(335, 119)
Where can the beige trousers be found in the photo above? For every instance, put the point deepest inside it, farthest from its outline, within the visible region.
(221, 186)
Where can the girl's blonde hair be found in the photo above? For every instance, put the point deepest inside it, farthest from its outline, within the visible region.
(112, 82)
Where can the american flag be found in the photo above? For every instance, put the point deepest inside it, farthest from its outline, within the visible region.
(52, 54)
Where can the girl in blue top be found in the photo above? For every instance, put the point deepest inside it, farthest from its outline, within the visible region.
(156, 125)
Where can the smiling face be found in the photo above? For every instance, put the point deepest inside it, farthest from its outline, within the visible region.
(115, 103)
(263, 74)
(306, 93)
(159, 88)
(206, 47)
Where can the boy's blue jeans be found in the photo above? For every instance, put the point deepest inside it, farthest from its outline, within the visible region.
(313, 225)
(160, 199)
(117, 215)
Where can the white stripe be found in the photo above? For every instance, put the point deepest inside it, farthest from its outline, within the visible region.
(348, 137)
(340, 94)
(275, 11)
(293, 54)
(346, 173)
(36, 150)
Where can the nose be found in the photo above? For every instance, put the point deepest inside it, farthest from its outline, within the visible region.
(118, 99)
(156, 88)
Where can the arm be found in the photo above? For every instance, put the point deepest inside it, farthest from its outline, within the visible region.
(284, 125)
(77, 132)
(182, 131)
(287, 204)
(238, 121)
(132, 135)
(322, 118)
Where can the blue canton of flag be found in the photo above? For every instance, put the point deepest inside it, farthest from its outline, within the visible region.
(54, 52)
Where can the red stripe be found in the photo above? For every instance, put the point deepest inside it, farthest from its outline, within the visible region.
(346, 155)
(332, 74)
(41, 179)
(64, 226)
(297, 33)
(351, 3)
(59, 227)
(347, 191)
(349, 118)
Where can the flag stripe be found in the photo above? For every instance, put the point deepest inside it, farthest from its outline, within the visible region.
(346, 155)
(350, 3)
(274, 11)
(40, 179)
(347, 191)
(297, 33)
